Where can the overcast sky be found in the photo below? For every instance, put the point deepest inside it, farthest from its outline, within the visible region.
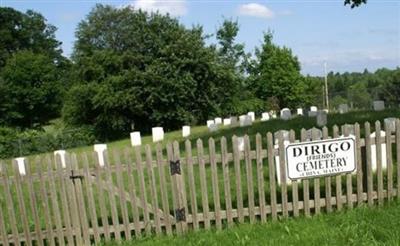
(316, 30)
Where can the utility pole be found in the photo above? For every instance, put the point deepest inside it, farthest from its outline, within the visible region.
(326, 88)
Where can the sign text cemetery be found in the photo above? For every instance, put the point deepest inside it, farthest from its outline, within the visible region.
(320, 158)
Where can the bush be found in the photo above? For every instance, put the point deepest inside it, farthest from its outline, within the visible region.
(16, 143)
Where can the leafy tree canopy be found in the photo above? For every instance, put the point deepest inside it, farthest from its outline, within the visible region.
(143, 69)
(26, 31)
(30, 89)
(354, 3)
(276, 73)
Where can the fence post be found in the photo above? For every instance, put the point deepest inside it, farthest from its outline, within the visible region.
(389, 166)
(398, 155)
(177, 188)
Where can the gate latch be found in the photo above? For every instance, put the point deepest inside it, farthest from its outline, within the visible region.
(175, 167)
(180, 214)
(74, 176)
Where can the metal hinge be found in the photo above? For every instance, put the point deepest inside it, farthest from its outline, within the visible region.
(180, 214)
(175, 167)
(74, 176)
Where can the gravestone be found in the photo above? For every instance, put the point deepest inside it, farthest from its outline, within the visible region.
(374, 153)
(227, 121)
(391, 123)
(240, 143)
(349, 128)
(252, 116)
(313, 111)
(285, 135)
(210, 122)
(21, 165)
(185, 131)
(136, 139)
(272, 113)
(218, 120)
(343, 108)
(242, 119)
(61, 153)
(299, 111)
(248, 120)
(234, 121)
(213, 128)
(322, 118)
(309, 134)
(379, 105)
(286, 114)
(99, 149)
(158, 134)
(264, 116)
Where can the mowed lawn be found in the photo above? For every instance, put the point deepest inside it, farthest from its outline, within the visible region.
(273, 125)
(360, 226)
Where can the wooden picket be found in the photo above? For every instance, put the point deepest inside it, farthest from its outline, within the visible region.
(142, 190)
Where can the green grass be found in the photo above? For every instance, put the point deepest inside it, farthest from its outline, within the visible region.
(361, 226)
(202, 133)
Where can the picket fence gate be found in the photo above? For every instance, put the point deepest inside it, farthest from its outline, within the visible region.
(144, 191)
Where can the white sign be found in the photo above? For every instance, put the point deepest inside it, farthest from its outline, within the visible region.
(320, 158)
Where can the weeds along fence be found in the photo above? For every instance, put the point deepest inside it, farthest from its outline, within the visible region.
(176, 187)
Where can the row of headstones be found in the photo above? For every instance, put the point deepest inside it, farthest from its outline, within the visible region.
(135, 141)
(247, 120)
(378, 105)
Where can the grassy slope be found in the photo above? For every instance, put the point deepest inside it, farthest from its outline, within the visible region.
(361, 226)
(260, 127)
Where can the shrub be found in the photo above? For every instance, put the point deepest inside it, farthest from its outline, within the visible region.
(21, 143)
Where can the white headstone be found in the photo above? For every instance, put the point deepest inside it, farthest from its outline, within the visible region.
(379, 105)
(322, 118)
(264, 116)
(210, 122)
(252, 115)
(286, 114)
(248, 120)
(227, 122)
(309, 133)
(374, 153)
(313, 111)
(218, 120)
(61, 153)
(158, 134)
(349, 128)
(213, 128)
(99, 149)
(21, 165)
(185, 131)
(277, 165)
(242, 120)
(343, 108)
(240, 143)
(136, 140)
(299, 111)
(285, 135)
(234, 121)
(273, 114)
(391, 123)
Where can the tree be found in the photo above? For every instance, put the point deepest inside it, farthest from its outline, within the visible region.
(26, 31)
(234, 59)
(359, 96)
(354, 3)
(30, 89)
(145, 69)
(276, 73)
